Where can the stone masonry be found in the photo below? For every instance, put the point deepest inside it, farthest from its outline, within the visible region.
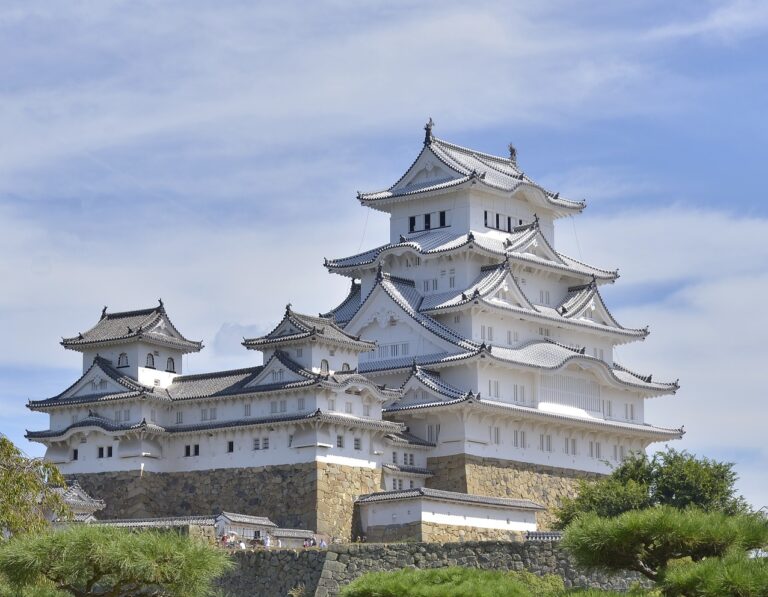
(507, 478)
(316, 495)
(322, 573)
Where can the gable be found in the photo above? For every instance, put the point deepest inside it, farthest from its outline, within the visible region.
(163, 327)
(539, 247)
(275, 372)
(426, 170)
(509, 293)
(95, 381)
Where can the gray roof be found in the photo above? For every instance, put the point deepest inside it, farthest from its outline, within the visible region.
(130, 326)
(448, 496)
(469, 165)
(248, 519)
(317, 415)
(348, 307)
(307, 326)
(406, 438)
(217, 383)
(300, 533)
(132, 388)
(411, 470)
(163, 522)
(77, 498)
(433, 242)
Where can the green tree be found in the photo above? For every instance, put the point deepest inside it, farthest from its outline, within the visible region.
(648, 540)
(668, 478)
(28, 496)
(92, 560)
(735, 574)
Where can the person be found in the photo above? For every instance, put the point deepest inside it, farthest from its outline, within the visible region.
(279, 543)
(267, 541)
(323, 544)
(242, 544)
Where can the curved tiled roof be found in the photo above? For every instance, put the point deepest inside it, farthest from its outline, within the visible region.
(308, 326)
(93, 420)
(410, 470)
(447, 496)
(129, 326)
(217, 383)
(473, 166)
(406, 438)
(433, 242)
(348, 307)
(132, 388)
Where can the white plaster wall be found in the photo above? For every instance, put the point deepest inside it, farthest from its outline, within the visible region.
(454, 203)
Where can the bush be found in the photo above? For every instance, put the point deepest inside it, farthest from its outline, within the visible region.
(453, 582)
(735, 574)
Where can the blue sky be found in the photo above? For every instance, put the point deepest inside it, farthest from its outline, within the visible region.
(209, 154)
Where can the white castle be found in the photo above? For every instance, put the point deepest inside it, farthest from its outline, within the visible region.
(471, 367)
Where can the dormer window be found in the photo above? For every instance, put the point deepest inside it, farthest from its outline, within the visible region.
(150, 361)
(122, 360)
(170, 365)
(324, 366)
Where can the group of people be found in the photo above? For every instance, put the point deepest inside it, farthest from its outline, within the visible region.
(312, 542)
(231, 541)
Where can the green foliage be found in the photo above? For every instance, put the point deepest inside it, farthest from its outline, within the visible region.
(27, 496)
(647, 540)
(735, 574)
(453, 582)
(669, 478)
(92, 560)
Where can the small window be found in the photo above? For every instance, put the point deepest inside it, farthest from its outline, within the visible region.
(109, 451)
(122, 360)
(324, 366)
(331, 404)
(150, 361)
(197, 449)
(179, 418)
(345, 366)
(75, 454)
(366, 410)
(348, 408)
(485, 218)
(410, 484)
(412, 224)
(427, 221)
(394, 457)
(339, 441)
(170, 365)
(203, 414)
(101, 452)
(497, 221)
(290, 440)
(358, 444)
(126, 414)
(247, 410)
(230, 446)
(410, 459)
(256, 443)
(299, 352)
(187, 450)
(301, 404)
(442, 219)
(509, 224)
(283, 406)
(434, 283)
(265, 443)
(273, 407)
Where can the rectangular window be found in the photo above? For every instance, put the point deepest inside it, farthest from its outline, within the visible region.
(412, 224)
(187, 451)
(118, 416)
(256, 443)
(265, 443)
(179, 417)
(544, 332)
(490, 333)
(434, 283)
(247, 410)
(358, 444)
(394, 457)
(457, 318)
(283, 406)
(152, 415)
(339, 441)
(126, 415)
(411, 459)
(109, 451)
(427, 221)
(204, 414)
(301, 404)
(497, 221)
(495, 435)
(426, 285)
(290, 440)
(452, 279)
(213, 413)
(519, 439)
(442, 219)
(399, 483)
(348, 408)
(632, 412)
(493, 388)
(410, 483)
(230, 446)
(509, 224)
(75, 454)
(485, 218)
(331, 404)
(273, 407)
(101, 452)
(482, 332)
(197, 449)
(615, 452)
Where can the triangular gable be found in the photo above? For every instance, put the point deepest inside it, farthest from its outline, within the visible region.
(164, 327)
(426, 170)
(508, 292)
(381, 311)
(279, 371)
(537, 246)
(594, 310)
(95, 380)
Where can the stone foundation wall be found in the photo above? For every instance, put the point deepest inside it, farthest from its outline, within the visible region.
(315, 495)
(545, 485)
(322, 573)
(428, 532)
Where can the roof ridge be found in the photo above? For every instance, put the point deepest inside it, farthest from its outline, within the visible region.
(223, 373)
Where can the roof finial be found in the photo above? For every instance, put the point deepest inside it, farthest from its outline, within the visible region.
(536, 220)
(414, 367)
(160, 302)
(287, 308)
(104, 312)
(379, 272)
(512, 154)
(428, 131)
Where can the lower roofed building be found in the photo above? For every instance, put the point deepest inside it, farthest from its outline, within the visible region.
(469, 356)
